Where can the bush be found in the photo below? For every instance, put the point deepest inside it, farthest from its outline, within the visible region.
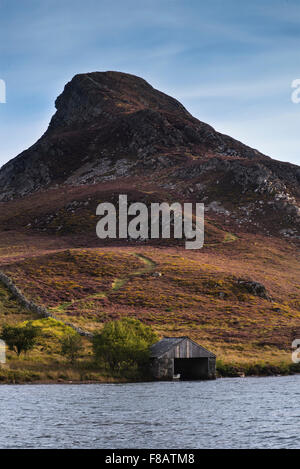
(71, 345)
(20, 338)
(19, 376)
(124, 344)
(227, 370)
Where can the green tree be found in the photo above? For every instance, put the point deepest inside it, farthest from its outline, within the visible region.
(20, 338)
(124, 344)
(71, 346)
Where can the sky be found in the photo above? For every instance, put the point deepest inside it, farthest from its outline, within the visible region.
(230, 62)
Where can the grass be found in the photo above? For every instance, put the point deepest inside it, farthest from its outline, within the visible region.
(233, 370)
(196, 295)
(46, 364)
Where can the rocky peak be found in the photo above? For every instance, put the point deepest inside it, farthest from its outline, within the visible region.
(102, 96)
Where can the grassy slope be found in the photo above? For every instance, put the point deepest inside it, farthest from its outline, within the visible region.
(44, 363)
(196, 295)
(48, 246)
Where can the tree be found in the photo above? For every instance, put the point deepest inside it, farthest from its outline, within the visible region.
(20, 338)
(71, 345)
(124, 344)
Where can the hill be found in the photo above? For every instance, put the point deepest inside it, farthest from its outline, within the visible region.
(114, 134)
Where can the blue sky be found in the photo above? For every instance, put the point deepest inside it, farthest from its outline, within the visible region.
(230, 62)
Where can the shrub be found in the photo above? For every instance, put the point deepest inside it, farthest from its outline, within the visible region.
(71, 345)
(20, 338)
(124, 344)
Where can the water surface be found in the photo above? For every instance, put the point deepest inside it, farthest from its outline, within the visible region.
(226, 413)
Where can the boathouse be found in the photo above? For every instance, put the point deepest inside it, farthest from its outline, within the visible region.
(181, 358)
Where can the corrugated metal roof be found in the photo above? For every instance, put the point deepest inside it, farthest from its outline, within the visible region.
(165, 344)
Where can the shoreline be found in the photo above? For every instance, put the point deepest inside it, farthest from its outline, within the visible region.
(87, 382)
(82, 373)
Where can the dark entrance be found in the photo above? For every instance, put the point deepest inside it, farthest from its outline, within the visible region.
(191, 368)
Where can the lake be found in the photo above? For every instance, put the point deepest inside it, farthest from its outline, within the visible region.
(226, 413)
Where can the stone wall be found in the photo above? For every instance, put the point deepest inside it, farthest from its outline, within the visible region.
(33, 307)
(162, 368)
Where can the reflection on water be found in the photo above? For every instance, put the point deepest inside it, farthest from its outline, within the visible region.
(226, 413)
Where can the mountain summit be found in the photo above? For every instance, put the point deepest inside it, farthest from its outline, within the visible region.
(108, 122)
(110, 125)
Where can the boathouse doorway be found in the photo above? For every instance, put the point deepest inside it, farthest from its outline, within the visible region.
(191, 368)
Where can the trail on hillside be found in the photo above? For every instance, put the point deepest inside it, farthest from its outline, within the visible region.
(117, 283)
(149, 268)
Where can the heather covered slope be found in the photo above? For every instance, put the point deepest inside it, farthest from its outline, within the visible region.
(202, 295)
(48, 246)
